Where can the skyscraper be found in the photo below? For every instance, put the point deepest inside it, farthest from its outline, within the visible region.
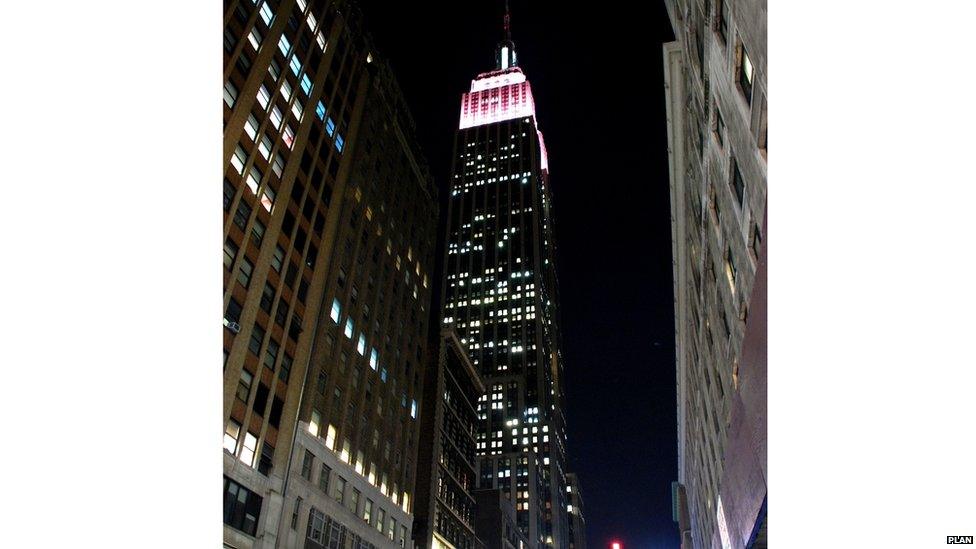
(329, 219)
(715, 86)
(501, 295)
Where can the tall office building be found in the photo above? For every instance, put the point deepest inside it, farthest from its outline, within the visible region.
(577, 521)
(715, 78)
(445, 508)
(329, 220)
(500, 294)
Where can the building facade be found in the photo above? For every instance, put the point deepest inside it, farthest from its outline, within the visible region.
(329, 220)
(495, 522)
(445, 507)
(716, 97)
(501, 295)
(577, 521)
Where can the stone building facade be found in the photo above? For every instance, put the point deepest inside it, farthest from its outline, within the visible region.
(716, 99)
(329, 223)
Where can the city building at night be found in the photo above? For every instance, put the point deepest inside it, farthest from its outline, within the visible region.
(495, 522)
(329, 221)
(715, 88)
(500, 294)
(445, 506)
(577, 521)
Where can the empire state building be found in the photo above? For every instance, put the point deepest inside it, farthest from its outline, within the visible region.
(501, 295)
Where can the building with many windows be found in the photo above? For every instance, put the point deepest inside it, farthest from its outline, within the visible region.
(445, 507)
(500, 294)
(577, 522)
(329, 220)
(495, 522)
(716, 96)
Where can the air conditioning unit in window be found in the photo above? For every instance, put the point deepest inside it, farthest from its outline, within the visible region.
(232, 326)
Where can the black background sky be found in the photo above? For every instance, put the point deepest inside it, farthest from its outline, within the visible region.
(597, 77)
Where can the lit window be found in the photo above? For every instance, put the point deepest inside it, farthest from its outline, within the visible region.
(251, 128)
(253, 178)
(329, 126)
(231, 435)
(286, 90)
(313, 424)
(289, 136)
(330, 437)
(239, 159)
(745, 75)
(339, 142)
(250, 447)
(263, 96)
(320, 110)
(320, 40)
(265, 147)
(306, 84)
(266, 15)
(254, 37)
(349, 328)
(275, 118)
(413, 409)
(336, 309)
(373, 358)
(230, 94)
(297, 110)
(284, 45)
(295, 65)
(361, 346)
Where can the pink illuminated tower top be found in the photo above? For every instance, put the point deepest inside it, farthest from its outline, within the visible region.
(501, 94)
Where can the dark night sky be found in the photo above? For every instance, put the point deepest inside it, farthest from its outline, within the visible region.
(598, 84)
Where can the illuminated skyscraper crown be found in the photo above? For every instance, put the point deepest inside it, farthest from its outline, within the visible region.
(502, 94)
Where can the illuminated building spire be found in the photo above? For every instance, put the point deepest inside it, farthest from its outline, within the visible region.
(505, 53)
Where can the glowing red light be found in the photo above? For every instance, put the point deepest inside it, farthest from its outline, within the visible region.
(616, 545)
